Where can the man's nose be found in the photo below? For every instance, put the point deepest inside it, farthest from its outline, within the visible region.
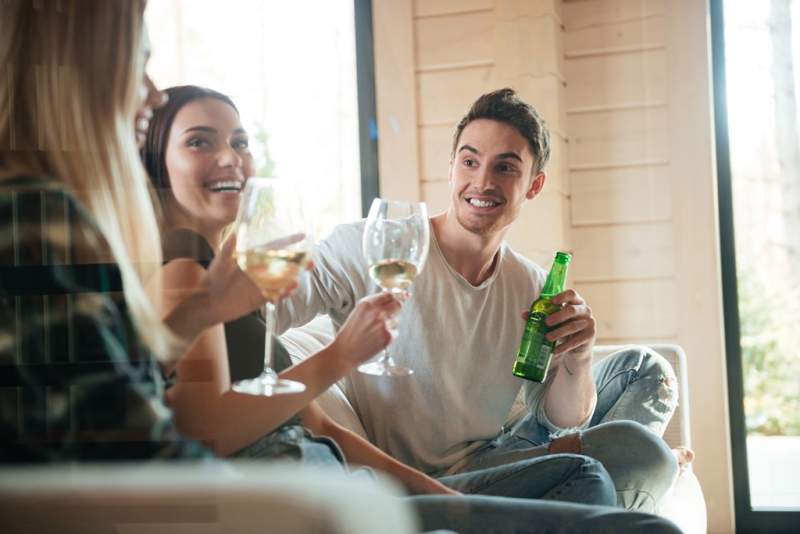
(483, 178)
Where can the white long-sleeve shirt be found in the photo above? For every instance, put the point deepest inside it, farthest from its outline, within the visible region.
(460, 340)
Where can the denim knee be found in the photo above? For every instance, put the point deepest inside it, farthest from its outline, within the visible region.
(640, 462)
(587, 482)
(654, 458)
(651, 396)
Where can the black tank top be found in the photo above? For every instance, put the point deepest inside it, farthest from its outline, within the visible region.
(244, 337)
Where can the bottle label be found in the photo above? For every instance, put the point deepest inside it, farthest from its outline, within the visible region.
(533, 341)
(544, 356)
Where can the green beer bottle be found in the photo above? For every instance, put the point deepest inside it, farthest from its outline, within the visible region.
(533, 357)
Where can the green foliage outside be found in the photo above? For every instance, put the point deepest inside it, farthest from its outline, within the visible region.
(770, 356)
(265, 165)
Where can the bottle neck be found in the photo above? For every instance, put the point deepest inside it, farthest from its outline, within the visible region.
(555, 280)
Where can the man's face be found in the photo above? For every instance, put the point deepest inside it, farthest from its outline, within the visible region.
(490, 176)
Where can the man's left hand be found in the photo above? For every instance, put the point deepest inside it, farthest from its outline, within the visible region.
(573, 327)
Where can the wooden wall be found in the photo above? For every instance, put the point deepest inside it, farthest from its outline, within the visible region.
(643, 217)
(433, 58)
(624, 86)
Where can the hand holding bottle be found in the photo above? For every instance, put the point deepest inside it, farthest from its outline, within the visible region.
(573, 328)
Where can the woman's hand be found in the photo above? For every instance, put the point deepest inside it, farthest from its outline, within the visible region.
(229, 292)
(369, 329)
(199, 298)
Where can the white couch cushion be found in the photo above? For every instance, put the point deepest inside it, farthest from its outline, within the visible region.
(310, 339)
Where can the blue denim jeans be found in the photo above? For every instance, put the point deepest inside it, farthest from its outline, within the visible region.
(636, 399)
(477, 514)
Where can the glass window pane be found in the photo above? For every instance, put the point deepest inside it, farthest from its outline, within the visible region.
(290, 68)
(762, 54)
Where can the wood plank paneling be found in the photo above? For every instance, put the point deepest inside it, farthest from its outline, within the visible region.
(616, 79)
(587, 13)
(631, 310)
(516, 43)
(541, 224)
(635, 194)
(623, 252)
(546, 94)
(453, 39)
(556, 169)
(428, 8)
(435, 144)
(541, 256)
(395, 91)
(514, 9)
(445, 96)
(619, 137)
(630, 33)
(436, 195)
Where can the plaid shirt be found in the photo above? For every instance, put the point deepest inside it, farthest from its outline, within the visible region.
(75, 382)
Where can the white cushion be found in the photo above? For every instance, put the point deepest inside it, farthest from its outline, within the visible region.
(685, 504)
(310, 339)
(197, 498)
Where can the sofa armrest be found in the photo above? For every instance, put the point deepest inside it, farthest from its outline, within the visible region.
(177, 497)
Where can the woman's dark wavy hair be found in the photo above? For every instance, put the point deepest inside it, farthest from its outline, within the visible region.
(154, 151)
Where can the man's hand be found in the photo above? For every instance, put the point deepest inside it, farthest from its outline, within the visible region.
(573, 327)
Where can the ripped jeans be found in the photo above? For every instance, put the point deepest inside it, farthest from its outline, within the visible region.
(636, 397)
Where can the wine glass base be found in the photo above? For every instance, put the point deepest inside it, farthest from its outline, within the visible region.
(381, 369)
(268, 387)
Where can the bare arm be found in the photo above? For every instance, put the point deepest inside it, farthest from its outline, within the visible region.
(571, 396)
(205, 407)
(360, 451)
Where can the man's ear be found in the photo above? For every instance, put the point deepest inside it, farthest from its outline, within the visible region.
(536, 185)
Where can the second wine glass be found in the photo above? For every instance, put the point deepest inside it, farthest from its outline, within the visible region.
(395, 246)
(273, 249)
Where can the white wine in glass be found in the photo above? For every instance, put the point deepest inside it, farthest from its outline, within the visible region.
(395, 246)
(273, 250)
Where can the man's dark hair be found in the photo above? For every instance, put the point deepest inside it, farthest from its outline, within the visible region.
(154, 151)
(505, 106)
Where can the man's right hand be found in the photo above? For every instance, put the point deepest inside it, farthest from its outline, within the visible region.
(369, 329)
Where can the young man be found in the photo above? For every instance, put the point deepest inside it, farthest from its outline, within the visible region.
(461, 327)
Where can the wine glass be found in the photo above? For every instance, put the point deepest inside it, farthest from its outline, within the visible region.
(273, 250)
(395, 245)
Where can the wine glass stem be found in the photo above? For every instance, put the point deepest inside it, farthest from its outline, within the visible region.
(385, 360)
(269, 335)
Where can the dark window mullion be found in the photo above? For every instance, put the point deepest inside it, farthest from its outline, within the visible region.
(367, 117)
(747, 519)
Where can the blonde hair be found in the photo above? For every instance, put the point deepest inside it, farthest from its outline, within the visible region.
(70, 78)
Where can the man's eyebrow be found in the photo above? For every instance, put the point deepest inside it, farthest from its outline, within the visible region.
(510, 155)
(200, 129)
(240, 131)
(470, 149)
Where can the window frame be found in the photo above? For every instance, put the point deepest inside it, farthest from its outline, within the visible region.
(367, 109)
(747, 519)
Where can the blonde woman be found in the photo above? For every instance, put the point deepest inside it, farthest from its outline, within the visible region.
(79, 242)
